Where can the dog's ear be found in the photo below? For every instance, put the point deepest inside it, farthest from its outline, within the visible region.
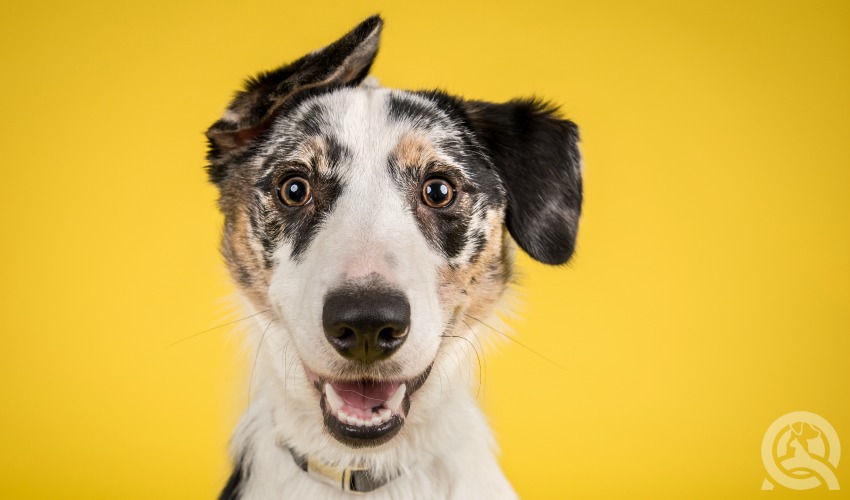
(536, 154)
(344, 62)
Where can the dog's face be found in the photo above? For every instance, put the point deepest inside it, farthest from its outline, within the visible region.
(370, 224)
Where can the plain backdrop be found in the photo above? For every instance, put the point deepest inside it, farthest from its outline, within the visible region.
(710, 293)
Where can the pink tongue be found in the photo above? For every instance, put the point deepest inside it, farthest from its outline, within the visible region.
(365, 395)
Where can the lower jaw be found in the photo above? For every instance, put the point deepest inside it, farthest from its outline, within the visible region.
(361, 437)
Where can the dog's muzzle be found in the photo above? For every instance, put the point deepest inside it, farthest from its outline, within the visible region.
(366, 323)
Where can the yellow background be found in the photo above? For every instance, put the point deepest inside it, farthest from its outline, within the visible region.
(710, 293)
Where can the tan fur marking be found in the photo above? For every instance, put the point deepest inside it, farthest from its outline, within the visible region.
(414, 149)
(484, 281)
(244, 258)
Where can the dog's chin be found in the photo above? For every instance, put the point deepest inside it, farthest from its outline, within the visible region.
(365, 412)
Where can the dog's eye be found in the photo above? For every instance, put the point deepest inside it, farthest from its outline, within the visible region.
(437, 192)
(294, 191)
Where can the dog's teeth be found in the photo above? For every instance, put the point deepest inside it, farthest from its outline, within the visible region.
(335, 404)
(394, 403)
(334, 401)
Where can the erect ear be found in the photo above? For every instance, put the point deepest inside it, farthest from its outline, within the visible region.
(344, 62)
(536, 154)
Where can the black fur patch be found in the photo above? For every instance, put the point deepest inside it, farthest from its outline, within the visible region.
(401, 108)
(300, 226)
(233, 489)
(536, 154)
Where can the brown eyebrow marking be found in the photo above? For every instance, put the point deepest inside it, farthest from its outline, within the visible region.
(413, 150)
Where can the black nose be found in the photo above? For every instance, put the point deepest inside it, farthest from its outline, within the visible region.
(366, 324)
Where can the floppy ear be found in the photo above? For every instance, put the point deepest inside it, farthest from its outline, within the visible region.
(344, 62)
(536, 154)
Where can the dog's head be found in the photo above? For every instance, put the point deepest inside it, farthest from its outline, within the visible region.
(370, 223)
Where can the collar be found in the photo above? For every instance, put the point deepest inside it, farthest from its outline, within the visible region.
(351, 479)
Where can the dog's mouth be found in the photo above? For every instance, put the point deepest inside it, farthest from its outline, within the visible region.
(365, 412)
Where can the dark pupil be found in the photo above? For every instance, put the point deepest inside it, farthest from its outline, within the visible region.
(437, 192)
(296, 191)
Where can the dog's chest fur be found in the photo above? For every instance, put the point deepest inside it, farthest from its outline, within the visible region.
(453, 458)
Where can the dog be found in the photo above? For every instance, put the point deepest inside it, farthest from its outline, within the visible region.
(372, 235)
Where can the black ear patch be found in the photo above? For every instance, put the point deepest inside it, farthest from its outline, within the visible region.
(342, 63)
(536, 154)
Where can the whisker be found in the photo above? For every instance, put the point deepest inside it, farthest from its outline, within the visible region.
(285, 374)
(291, 366)
(442, 368)
(293, 361)
(477, 357)
(464, 354)
(456, 357)
(256, 357)
(214, 328)
(553, 363)
(482, 361)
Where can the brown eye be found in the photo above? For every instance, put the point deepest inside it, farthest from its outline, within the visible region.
(437, 192)
(294, 191)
